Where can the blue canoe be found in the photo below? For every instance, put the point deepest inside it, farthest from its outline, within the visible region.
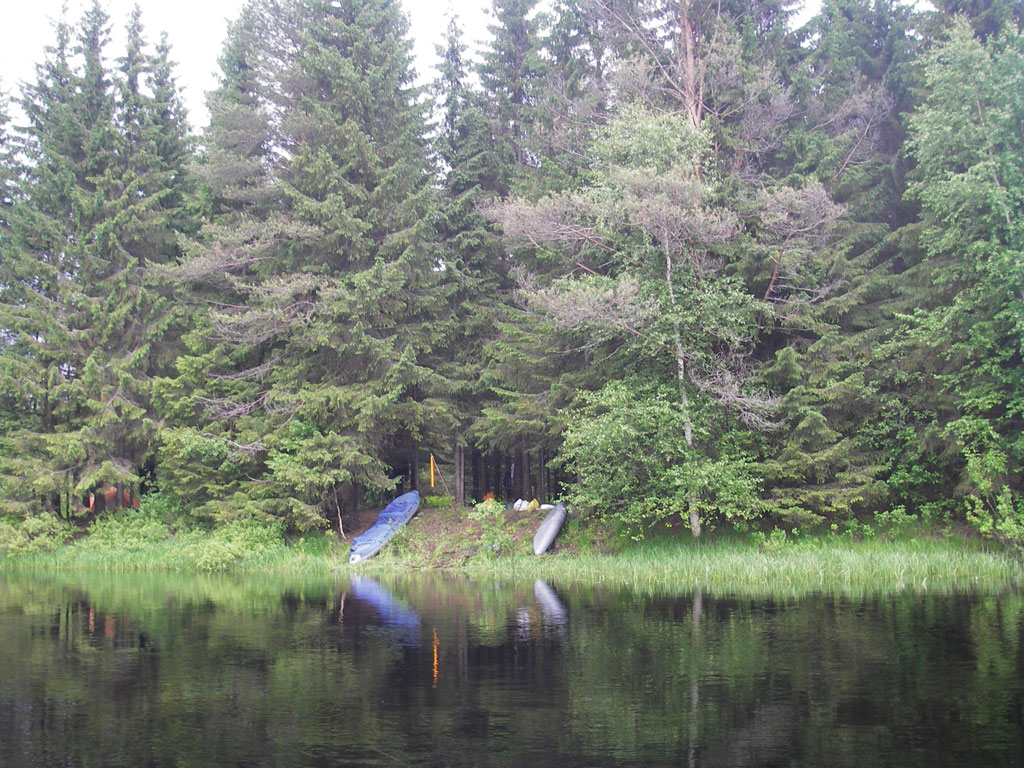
(392, 517)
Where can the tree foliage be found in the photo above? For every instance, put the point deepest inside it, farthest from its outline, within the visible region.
(967, 141)
(309, 371)
(662, 258)
(102, 180)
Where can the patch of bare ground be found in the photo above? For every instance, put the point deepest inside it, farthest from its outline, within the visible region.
(439, 537)
(355, 523)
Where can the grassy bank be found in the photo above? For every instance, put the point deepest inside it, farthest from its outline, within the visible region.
(810, 566)
(441, 539)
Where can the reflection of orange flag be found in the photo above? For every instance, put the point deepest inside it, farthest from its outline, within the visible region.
(436, 643)
(433, 469)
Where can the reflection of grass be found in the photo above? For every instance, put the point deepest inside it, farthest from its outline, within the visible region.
(146, 593)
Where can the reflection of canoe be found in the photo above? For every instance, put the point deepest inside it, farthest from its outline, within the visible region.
(397, 620)
(392, 517)
(553, 609)
(549, 529)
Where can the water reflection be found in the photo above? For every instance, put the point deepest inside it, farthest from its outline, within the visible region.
(552, 608)
(427, 670)
(397, 620)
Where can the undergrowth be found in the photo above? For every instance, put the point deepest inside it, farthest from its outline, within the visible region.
(490, 540)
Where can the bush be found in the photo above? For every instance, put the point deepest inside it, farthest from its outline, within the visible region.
(437, 501)
(774, 542)
(226, 545)
(32, 534)
(627, 447)
(896, 522)
(167, 508)
(494, 533)
(128, 530)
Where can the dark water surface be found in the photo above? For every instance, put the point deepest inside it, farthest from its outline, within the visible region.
(427, 670)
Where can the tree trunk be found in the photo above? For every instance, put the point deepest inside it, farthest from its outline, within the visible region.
(524, 470)
(478, 482)
(460, 475)
(690, 77)
(542, 479)
(684, 400)
(499, 475)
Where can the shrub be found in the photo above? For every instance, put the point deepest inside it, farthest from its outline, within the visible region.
(896, 521)
(495, 535)
(128, 530)
(228, 544)
(35, 533)
(437, 501)
(627, 447)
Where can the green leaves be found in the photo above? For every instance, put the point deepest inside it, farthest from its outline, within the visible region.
(624, 444)
(967, 141)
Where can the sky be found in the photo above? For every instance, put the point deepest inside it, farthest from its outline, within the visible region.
(195, 30)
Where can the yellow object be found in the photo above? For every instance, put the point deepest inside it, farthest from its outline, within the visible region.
(433, 469)
(533, 506)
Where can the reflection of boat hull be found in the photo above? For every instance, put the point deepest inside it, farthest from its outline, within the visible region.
(549, 529)
(551, 607)
(392, 517)
(397, 620)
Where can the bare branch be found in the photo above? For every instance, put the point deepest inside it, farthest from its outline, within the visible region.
(727, 383)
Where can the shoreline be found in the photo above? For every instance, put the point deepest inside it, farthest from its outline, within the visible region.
(720, 563)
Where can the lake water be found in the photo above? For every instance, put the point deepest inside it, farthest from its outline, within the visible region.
(429, 670)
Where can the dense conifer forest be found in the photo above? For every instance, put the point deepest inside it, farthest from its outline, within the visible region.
(666, 259)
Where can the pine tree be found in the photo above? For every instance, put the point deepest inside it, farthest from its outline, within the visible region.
(648, 236)
(728, 232)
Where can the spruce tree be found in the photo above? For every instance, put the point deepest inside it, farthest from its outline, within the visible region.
(852, 86)
(84, 320)
(511, 76)
(471, 253)
(318, 265)
(966, 332)
(11, 412)
(574, 97)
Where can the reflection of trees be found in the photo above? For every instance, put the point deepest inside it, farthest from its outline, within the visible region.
(270, 673)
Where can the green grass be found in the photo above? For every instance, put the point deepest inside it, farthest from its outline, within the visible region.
(137, 541)
(720, 564)
(812, 566)
(730, 564)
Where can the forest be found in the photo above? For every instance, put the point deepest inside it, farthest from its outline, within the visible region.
(664, 259)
